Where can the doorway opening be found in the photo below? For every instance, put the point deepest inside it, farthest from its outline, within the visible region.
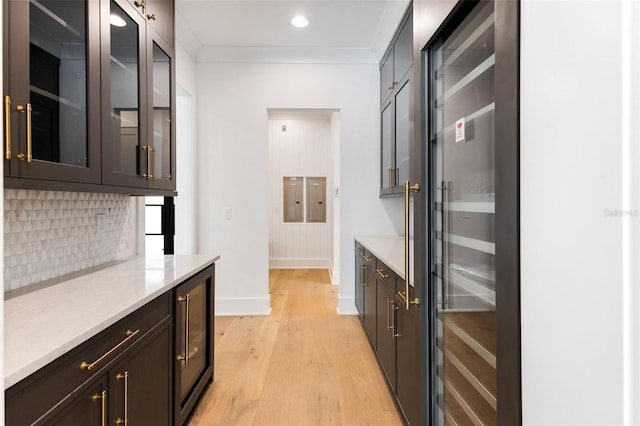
(304, 189)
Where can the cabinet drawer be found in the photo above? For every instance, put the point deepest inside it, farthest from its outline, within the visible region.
(369, 259)
(358, 248)
(34, 396)
(386, 275)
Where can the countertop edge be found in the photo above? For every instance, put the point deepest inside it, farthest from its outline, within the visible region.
(373, 243)
(13, 377)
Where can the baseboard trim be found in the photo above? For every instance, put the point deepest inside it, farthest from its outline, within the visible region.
(335, 277)
(236, 307)
(293, 263)
(347, 305)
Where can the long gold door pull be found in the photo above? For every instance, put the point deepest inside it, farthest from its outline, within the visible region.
(393, 325)
(184, 359)
(124, 377)
(7, 128)
(95, 398)
(88, 367)
(28, 158)
(406, 298)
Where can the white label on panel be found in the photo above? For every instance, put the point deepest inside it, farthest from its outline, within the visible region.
(460, 130)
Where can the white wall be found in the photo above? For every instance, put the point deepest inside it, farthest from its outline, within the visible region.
(186, 152)
(301, 151)
(575, 289)
(232, 167)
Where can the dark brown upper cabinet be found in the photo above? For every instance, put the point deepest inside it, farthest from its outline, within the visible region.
(138, 100)
(90, 96)
(396, 110)
(51, 83)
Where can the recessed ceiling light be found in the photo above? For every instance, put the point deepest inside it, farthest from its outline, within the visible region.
(300, 21)
(117, 21)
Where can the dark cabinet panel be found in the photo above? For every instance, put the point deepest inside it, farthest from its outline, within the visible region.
(403, 49)
(386, 325)
(140, 385)
(386, 76)
(88, 408)
(159, 14)
(408, 379)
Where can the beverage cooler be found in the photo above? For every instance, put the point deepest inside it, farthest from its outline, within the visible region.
(472, 240)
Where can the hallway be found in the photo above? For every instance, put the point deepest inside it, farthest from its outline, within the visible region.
(301, 365)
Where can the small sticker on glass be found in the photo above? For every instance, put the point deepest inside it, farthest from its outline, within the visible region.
(460, 130)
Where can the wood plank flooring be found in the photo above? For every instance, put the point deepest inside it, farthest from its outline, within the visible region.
(301, 365)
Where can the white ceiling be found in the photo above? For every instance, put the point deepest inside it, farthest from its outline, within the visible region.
(207, 28)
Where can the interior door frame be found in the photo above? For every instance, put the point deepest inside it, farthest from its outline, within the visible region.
(430, 19)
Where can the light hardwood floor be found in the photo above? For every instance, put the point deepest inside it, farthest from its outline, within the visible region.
(301, 365)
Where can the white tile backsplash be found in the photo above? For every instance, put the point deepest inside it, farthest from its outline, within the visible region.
(50, 233)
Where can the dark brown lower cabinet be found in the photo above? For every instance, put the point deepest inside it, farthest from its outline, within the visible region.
(132, 373)
(394, 334)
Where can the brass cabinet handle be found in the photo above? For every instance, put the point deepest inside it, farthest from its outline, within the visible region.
(7, 127)
(140, 4)
(149, 150)
(151, 17)
(381, 273)
(119, 377)
(102, 397)
(88, 367)
(392, 85)
(28, 158)
(184, 358)
(358, 249)
(393, 325)
(368, 259)
(362, 280)
(408, 188)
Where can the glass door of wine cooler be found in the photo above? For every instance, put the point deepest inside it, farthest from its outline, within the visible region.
(461, 105)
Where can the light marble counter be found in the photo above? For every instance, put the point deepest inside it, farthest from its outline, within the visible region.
(390, 250)
(42, 325)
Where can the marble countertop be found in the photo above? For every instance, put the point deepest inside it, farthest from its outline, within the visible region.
(390, 250)
(44, 324)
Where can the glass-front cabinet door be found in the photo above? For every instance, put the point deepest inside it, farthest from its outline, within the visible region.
(124, 123)
(161, 146)
(463, 264)
(52, 105)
